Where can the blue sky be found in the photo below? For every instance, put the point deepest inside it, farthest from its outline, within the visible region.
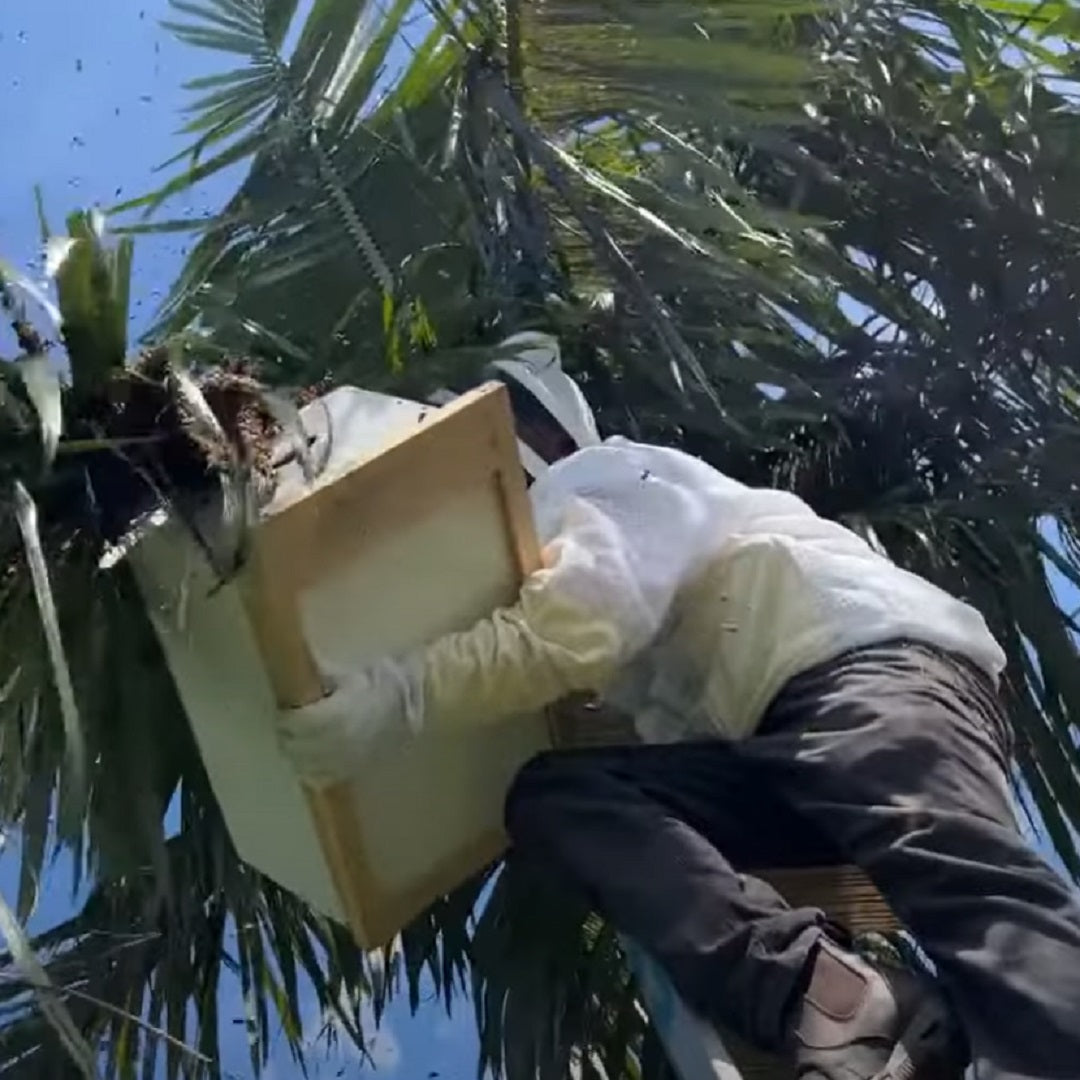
(91, 96)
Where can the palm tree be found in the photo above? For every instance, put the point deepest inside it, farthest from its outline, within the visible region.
(828, 246)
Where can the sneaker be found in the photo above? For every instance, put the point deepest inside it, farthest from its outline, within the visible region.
(861, 1019)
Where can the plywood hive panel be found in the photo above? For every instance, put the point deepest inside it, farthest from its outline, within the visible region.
(419, 526)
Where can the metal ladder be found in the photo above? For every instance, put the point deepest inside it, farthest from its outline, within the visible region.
(693, 1047)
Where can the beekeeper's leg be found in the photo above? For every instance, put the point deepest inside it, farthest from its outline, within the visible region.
(903, 762)
(641, 830)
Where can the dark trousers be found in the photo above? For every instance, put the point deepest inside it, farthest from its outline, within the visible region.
(893, 758)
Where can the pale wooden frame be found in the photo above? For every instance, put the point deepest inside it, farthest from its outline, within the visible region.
(467, 444)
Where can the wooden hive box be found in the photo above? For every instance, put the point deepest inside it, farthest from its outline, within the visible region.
(419, 526)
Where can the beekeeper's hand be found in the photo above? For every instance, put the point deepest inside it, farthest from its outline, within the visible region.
(327, 740)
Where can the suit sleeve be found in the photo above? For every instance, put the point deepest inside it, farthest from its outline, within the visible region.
(600, 600)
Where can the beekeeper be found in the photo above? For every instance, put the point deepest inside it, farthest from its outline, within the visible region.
(797, 695)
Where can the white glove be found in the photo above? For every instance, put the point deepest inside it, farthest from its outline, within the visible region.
(326, 741)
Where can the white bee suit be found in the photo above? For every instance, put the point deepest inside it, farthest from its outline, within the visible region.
(685, 597)
(682, 596)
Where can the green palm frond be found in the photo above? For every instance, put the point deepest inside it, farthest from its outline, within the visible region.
(434, 149)
(292, 118)
(93, 284)
(143, 964)
(240, 109)
(550, 985)
(139, 939)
